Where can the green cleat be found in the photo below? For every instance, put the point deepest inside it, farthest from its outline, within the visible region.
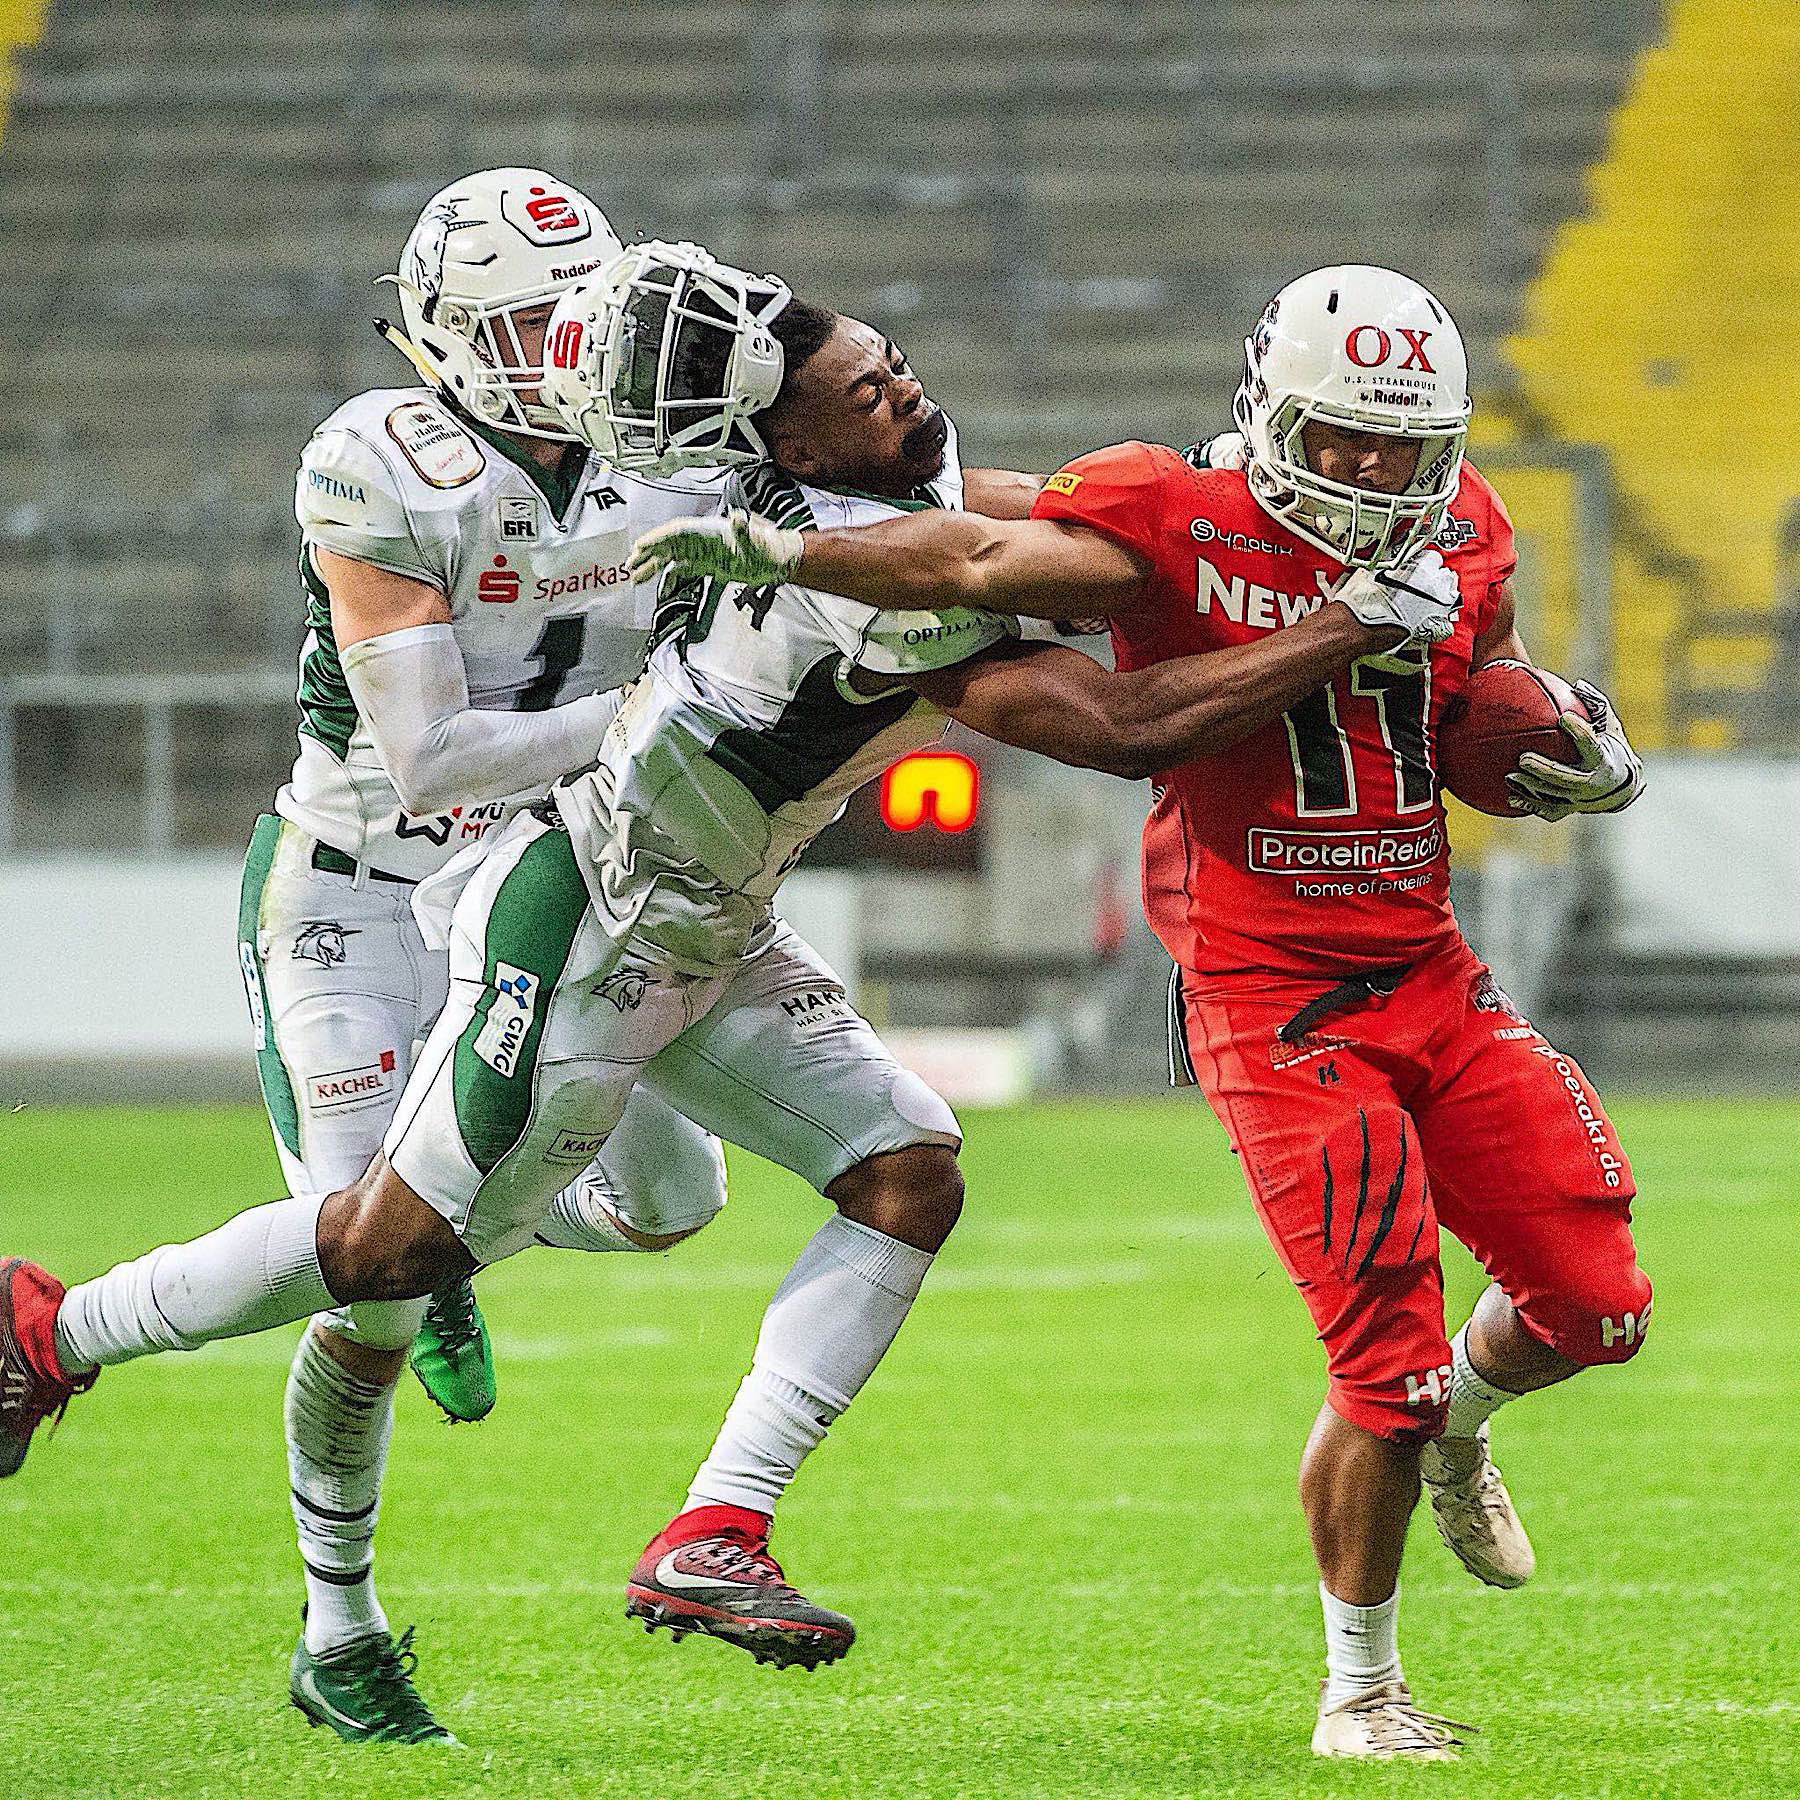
(453, 1357)
(365, 1693)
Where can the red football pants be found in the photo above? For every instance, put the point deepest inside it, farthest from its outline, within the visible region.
(1434, 1105)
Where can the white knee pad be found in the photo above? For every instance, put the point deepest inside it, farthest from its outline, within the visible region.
(377, 1324)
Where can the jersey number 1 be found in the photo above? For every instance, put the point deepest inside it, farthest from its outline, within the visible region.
(1324, 769)
(557, 651)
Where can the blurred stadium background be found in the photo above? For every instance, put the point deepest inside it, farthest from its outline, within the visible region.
(1069, 215)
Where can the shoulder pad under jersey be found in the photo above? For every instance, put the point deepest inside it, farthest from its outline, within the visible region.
(385, 478)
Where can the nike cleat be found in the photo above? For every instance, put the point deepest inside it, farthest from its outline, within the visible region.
(1474, 1513)
(33, 1386)
(453, 1356)
(365, 1693)
(711, 1571)
(1383, 1725)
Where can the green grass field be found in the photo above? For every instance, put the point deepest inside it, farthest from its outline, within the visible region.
(1062, 1514)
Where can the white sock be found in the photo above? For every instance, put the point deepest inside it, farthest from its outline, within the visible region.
(1472, 1399)
(1362, 1646)
(579, 1219)
(257, 1270)
(337, 1436)
(829, 1324)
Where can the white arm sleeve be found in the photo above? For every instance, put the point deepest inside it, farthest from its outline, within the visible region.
(413, 693)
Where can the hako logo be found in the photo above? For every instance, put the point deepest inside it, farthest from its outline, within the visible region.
(498, 586)
(546, 216)
(1368, 346)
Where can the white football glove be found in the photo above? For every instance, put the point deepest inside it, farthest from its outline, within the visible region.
(738, 545)
(1420, 599)
(1605, 776)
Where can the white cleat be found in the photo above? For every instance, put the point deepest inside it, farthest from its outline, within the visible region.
(1474, 1513)
(1383, 1725)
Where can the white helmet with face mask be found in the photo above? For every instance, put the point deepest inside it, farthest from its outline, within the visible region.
(486, 249)
(1367, 350)
(662, 360)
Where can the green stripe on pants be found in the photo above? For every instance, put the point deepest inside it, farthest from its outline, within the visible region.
(531, 927)
(271, 1071)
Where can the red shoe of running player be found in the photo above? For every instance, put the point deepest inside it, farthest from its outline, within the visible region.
(710, 1570)
(33, 1387)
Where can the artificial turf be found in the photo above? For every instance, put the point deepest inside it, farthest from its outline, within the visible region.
(1062, 1514)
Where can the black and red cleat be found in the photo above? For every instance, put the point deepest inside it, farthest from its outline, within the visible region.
(710, 1570)
(33, 1387)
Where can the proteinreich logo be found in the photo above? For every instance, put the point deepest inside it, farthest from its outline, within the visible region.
(509, 1019)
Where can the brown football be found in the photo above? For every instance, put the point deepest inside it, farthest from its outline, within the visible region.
(1507, 709)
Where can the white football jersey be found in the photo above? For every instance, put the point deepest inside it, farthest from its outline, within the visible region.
(533, 567)
(761, 712)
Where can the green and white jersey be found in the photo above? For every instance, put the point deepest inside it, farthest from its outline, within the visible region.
(532, 562)
(761, 712)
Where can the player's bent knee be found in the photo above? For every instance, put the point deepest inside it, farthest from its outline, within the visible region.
(915, 1194)
(657, 1240)
(1410, 1410)
(670, 1211)
(1602, 1320)
(379, 1241)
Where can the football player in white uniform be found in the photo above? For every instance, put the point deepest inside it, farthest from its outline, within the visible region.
(622, 932)
(468, 613)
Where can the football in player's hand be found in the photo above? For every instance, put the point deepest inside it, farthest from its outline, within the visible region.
(1507, 709)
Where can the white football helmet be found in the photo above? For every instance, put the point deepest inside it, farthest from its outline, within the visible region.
(1369, 350)
(485, 249)
(661, 360)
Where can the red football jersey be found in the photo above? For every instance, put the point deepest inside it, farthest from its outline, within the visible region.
(1316, 845)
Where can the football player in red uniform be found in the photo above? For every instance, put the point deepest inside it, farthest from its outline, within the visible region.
(1374, 1081)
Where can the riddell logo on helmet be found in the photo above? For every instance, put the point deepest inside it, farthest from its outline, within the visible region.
(569, 274)
(1369, 346)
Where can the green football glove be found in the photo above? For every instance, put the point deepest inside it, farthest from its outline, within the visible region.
(737, 545)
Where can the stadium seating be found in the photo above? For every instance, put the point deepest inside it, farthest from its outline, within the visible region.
(196, 196)
(1678, 277)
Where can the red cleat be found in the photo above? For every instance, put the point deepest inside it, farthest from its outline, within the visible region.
(33, 1387)
(709, 1570)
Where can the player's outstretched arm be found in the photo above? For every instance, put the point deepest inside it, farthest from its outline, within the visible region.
(411, 688)
(1000, 493)
(1035, 568)
(923, 562)
(1064, 705)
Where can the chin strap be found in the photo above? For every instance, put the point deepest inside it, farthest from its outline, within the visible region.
(409, 350)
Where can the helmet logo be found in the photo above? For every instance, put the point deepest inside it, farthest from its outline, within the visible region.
(1264, 334)
(1364, 337)
(550, 217)
(1415, 349)
(565, 345)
